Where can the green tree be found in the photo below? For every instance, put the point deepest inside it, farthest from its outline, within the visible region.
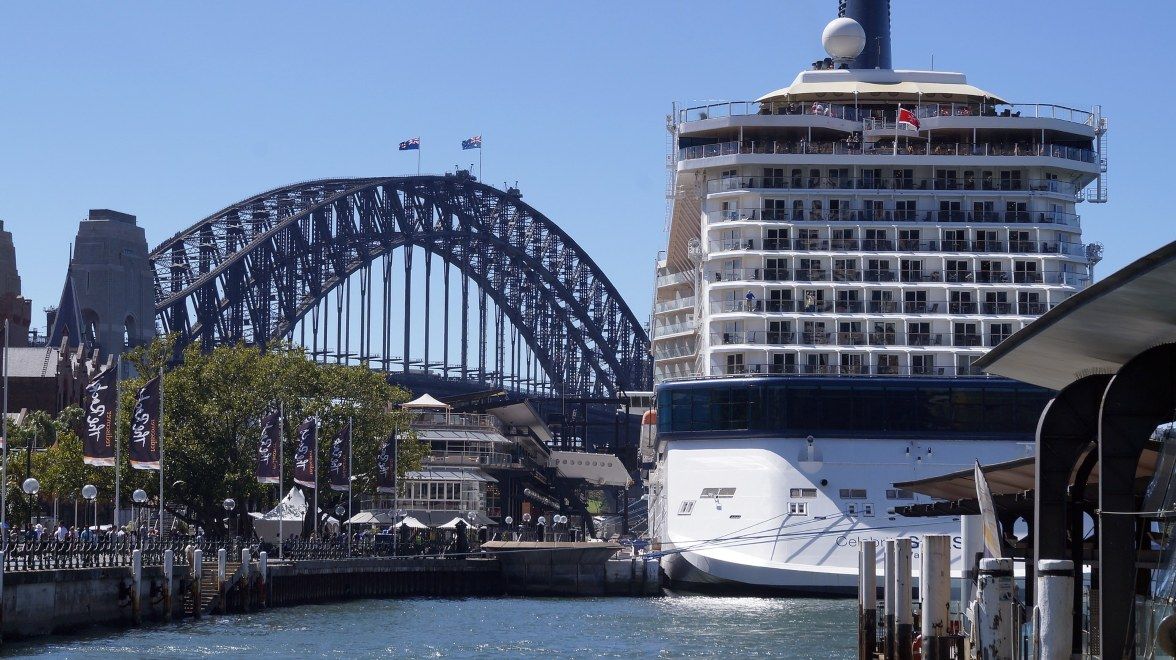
(212, 404)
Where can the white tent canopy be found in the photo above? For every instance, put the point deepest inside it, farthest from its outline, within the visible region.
(287, 516)
(426, 402)
(452, 524)
(369, 518)
(411, 523)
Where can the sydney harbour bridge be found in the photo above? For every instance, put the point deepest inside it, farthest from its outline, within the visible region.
(438, 277)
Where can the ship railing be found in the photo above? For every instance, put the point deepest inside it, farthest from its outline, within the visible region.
(884, 148)
(752, 275)
(675, 278)
(673, 328)
(920, 215)
(862, 113)
(753, 306)
(966, 184)
(673, 351)
(903, 245)
(755, 369)
(677, 303)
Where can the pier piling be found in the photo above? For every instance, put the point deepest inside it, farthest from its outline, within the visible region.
(1054, 622)
(903, 618)
(136, 586)
(935, 589)
(889, 600)
(197, 581)
(262, 570)
(868, 600)
(169, 561)
(995, 615)
(244, 583)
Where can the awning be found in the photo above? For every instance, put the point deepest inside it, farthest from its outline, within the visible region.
(411, 523)
(1096, 330)
(598, 469)
(523, 415)
(426, 401)
(1009, 478)
(845, 90)
(449, 474)
(460, 435)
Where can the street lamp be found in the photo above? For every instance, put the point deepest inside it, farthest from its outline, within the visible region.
(509, 522)
(30, 487)
(90, 492)
(229, 504)
(526, 522)
(138, 497)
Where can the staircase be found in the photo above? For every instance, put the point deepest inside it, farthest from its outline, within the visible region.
(210, 600)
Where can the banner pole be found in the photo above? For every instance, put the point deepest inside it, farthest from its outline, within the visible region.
(350, 441)
(117, 439)
(314, 462)
(281, 474)
(4, 435)
(161, 452)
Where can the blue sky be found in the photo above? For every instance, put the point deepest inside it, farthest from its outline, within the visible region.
(171, 111)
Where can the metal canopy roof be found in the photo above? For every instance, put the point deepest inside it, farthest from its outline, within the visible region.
(449, 474)
(879, 84)
(1097, 330)
(1009, 478)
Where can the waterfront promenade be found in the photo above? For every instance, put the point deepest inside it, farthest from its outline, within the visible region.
(56, 587)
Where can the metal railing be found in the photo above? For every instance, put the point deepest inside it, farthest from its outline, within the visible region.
(677, 303)
(863, 112)
(429, 419)
(931, 148)
(965, 276)
(879, 307)
(917, 215)
(826, 183)
(720, 371)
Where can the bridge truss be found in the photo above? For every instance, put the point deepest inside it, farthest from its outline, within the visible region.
(329, 264)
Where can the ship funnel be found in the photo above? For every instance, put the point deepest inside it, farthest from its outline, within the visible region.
(874, 17)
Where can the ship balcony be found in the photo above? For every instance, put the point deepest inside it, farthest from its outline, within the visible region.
(966, 276)
(839, 370)
(673, 305)
(666, 330)
(916, 216)
(931, 148)
(675, 278)
(825, 184)
(966, 339)
(1013, 115)
(902, 245)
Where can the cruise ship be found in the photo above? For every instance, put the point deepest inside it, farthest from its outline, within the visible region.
(840, 251)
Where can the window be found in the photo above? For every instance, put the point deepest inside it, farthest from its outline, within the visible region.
(802, 492)
(798, 508)
(868, 510)
(851, 509)
(853, 493)
(717, 492)
(899, 494)
(686, 507)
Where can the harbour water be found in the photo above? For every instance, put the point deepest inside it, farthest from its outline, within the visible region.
(668, 627)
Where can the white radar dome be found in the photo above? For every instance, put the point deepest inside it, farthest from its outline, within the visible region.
(843, 38)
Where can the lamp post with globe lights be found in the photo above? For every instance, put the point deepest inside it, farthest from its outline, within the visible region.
(526, 524)
(90, 492)
(31, 486)
(229, 504)
(139, 497)
(344, 525)
(509, 527)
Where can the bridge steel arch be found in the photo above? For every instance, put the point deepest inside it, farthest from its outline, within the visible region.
(252, 271)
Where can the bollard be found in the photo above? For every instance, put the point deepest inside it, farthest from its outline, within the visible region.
(867, 600)
(197, 581)
(888, 586)
(136, 582)
(935, 589)
(169, 559)
(222, 561)
(903, 620)
(244, 588)
(995, 609)
(262, 575)
(1055, 598)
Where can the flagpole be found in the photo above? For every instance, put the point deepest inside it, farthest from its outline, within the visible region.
(117, 438)
(896, 114)
(316, 471)
(479, 159)
(4, 435)
(160, 433)
(418, 150)
(350, 440)
(281, 473)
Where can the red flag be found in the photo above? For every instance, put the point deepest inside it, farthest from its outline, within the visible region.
(907, 117)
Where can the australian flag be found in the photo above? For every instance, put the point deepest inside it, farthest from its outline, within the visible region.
(472, 143)
(412, 143)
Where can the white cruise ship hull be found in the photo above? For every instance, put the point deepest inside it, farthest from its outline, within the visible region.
(781, 529)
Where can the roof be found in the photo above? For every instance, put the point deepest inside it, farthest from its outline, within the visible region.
(426, 401)
(33, 362)
(460, 435)
(449, 474)
(598, 469)
(435, 517)
(524, 415)
(1096, 330)
(1009, 478)
(68, 320)
(879, 84)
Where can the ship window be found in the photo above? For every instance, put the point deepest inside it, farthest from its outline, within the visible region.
(851, 509)
(853, 493)
(802, 492)
(798, 508)
(717, 492)
(899, 494)
(686, 507)
(868, 509)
